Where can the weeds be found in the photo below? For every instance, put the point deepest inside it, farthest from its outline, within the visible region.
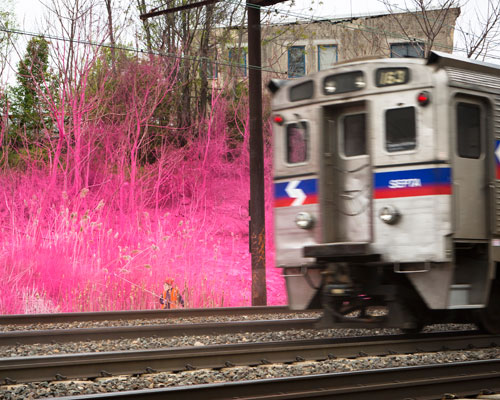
(94, 224)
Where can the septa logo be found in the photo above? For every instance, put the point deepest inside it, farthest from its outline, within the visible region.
(296, 193)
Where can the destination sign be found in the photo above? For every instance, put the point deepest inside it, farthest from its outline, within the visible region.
(392, 76)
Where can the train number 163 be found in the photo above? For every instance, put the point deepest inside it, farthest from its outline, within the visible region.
(392, 76)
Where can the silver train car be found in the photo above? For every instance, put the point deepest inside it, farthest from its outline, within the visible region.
(387, 192)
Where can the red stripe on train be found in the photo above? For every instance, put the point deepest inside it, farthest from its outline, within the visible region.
(432, 190)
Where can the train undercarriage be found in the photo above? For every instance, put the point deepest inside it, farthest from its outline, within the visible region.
(358, 290)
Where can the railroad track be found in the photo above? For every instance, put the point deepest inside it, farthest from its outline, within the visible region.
(417, 383)
(127, 332)
(98, 370)
(93, 365)
(25, 319)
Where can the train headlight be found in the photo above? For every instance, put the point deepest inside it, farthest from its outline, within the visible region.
(359, 82)
(330, 85)
(304, 220)
(389, 215)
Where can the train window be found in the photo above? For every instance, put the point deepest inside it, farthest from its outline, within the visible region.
(354, 134)
(302, 91)
(468, 130)
(400, 132)
(297, 138)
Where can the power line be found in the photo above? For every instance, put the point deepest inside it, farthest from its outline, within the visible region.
(134, 50)
(347, 23)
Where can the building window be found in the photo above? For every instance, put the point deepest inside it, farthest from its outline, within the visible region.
(327, 56)
(296, 61)
(400, 132)
(238, 60)
(468, 130)
(297, 137)
(408, 49)
(210, 65)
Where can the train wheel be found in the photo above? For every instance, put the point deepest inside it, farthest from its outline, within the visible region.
(489, 318)
(415, 329)
(412, 323)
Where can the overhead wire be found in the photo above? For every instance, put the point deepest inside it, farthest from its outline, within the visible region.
(303, 18)
(346, 22)
(132, 50)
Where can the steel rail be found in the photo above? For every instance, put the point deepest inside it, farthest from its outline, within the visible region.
(92, 365)
(128, 332)
(140, 314)
(428, 382)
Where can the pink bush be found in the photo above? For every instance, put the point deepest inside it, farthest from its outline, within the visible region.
(91, 226)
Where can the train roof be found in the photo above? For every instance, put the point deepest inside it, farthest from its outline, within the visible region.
(449, 60)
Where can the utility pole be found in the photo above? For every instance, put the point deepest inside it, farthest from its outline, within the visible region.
(257, 207)
(257, 211)
(257, 200)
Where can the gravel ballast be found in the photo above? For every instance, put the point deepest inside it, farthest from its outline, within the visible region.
(200, 340)
(165, 379)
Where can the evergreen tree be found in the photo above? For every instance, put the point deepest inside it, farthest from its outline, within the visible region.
(29, 114)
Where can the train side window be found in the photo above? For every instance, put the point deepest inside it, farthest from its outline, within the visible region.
(354, 135)
(297, 138)
(400, 132)
(302, 91)
(468, 130)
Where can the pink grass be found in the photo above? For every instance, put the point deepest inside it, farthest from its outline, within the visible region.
(88, 226)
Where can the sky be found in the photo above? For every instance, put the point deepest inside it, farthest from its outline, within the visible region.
(29, 11)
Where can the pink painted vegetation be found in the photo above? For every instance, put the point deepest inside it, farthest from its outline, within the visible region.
(89, 221)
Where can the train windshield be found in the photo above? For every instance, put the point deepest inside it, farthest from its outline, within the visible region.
(400, 132)
(343, 83)
(302, 91)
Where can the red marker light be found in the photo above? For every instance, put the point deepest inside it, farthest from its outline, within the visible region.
(423, 98)
(278, 119)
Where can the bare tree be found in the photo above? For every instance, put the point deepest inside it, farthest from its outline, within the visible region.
(192, 34)
(479, 38)
(6, 39)
(109, 10)
(431, 18)
(141, 7)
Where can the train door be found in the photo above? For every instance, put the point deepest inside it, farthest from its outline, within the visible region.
(470, 188)
(347, 183)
